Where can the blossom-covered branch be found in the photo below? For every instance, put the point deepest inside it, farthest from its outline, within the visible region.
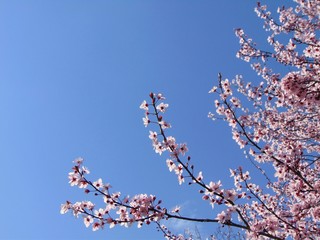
(276, 122)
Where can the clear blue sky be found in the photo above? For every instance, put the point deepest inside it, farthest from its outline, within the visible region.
(72, 77)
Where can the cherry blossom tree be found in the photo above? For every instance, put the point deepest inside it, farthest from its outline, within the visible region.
(276, 121)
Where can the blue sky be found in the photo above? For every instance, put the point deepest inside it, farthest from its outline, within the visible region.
(72, 77)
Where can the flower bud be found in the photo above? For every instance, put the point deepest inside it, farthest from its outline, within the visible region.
(205, 197)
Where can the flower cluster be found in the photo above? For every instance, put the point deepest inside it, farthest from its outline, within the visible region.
(140, 209)
(211, 192)
(166, 143)
(280, 124)
(275, 121)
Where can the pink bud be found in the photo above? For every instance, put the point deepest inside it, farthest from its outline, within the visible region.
(205, 197)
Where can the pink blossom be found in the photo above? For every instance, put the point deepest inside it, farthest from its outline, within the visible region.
(98, 184)
(170, 165)
(160, 96)
(144, 105)
(78, 161)
(85, 170)
(199, 177)
(162, 107)
(100, 213)
(158, 148)
(96, 226)
(213, 187)
(229, 194)
(87, 220)
(222, 217)
(213, 89)
(65, 207)
(176, 209)
(179, 169)
(74, 178)
(183, 149)
(171, 143)
(164, 124)
(82, 183)
(87, 205)
(180, 179)
(153, 135)
(146, 121)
